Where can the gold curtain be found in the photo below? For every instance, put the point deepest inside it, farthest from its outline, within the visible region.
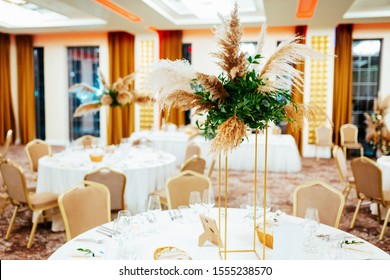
(121, 63)
(297, 96)
(7, 117)
(26, 98)
(342, 87)
(171, 48)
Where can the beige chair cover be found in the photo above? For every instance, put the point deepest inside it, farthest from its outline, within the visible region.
(349, 138)
(85, 206)
(178, 188)
(8, 139)
(368, 181)
(194, 163)
(341, 162)
(317, 194)
(20, 195)
(115, 181)
(36, 149)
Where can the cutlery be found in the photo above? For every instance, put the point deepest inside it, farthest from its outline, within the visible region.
(90, 239)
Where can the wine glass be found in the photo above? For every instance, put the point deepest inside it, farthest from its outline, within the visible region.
(195, 201)
(154, 209)
(208, 199)
(122, 233)
(311, 225)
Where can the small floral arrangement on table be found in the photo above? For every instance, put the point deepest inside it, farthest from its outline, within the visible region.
(377, 133)
(120, 93)
(243, 95)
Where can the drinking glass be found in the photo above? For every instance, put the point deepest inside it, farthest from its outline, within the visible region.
(195, 201)
(208, 199)
(311, 225)
(123, 234)
(154, 210)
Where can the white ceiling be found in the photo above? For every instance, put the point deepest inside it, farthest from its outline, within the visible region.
(88, 15)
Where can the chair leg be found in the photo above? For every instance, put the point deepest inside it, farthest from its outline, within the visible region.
(34, 228)
(385, 224)
(361, 152)
(379, 212)
(347, 190)
(345, 152)
(356, 212)
(11, 223)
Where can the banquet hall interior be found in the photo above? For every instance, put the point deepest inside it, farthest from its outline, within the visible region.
(79, 100)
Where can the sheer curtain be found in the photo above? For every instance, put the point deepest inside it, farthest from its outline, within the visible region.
(342, 89)
(26, 98)
(121, 61)
(171, 48)
(7, 117)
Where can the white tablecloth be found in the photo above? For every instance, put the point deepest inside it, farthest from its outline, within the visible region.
(146, 170)
(184, 235)
(283, 154)
(384, 164)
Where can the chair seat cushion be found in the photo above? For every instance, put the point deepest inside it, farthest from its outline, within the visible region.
(43, 200)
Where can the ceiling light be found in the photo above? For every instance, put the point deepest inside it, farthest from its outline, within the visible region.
(208, 8)
(306, 9)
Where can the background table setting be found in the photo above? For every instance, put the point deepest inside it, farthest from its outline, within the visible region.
(178, 232)
(146, 170)
(283, 154)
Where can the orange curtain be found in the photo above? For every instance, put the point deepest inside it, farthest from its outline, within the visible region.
(7, 117)
(171, 48)
(121, 63)
(297, 96)
(26, 98)
(342, 87)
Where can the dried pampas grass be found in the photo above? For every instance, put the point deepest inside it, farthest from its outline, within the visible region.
(279, 72)
(229, 136)
(87, 108)
(231, 59)
(298, 112)
(214, 85)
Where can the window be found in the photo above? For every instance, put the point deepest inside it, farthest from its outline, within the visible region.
(187, 51)
(39, 93)
(83, 64)
(366, 65)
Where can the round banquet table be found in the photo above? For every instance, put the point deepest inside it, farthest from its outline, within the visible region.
(184, 234)
(283, 154)
(146, 170)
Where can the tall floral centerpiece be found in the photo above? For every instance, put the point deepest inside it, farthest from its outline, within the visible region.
(377, 132)
(119, 94)
(250, 92)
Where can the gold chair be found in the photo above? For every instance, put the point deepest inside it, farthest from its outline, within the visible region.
(194, 163)
(22, 198)
(87, 141)
(85, 206)
(211, 168)
(191, 150)
(323, 138)
(7, 142)
(179, 187)
(349, 138)
(368, 181)
(317, 194)
(115, 181)
(36, 149)
(341, 162)
(276, 130)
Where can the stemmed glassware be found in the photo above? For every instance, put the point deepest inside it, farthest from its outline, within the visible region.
(259, 205)
(154, 209)
(123, 233)
(194, 201)
(311, 225)
(208, 199)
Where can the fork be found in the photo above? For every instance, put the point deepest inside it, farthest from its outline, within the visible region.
(91, 239)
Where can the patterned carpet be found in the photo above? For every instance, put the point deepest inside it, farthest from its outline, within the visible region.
(279, 185)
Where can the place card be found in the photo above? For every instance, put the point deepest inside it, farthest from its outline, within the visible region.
(211, 232)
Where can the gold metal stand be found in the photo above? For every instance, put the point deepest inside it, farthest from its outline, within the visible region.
(224, 250)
